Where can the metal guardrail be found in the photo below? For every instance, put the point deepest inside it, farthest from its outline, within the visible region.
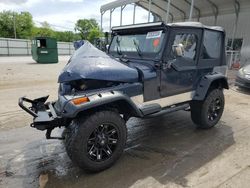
(14, 47)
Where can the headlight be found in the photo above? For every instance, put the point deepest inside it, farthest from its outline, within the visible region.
(64, 88)
(241, 72)
(83, 86)
(247, 76)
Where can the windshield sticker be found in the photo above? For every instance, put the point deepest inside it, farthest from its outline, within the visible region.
(153, 34)
(156, 42)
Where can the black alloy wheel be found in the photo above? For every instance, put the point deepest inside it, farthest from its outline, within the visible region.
(102, 142)
(96, 141)
(207, 113)
(214, 109)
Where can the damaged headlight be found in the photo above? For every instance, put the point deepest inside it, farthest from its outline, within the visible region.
(64, 88)
(87, 84)
(83, 86)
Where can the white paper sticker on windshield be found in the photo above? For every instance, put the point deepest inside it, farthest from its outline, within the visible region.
(153, 34)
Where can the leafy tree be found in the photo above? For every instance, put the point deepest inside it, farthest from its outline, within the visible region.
(93, 34)
(24, 25)
(21, 21)
(6, 24)
(88, 28)
(45, 25)
(65, 36)
(44, 31)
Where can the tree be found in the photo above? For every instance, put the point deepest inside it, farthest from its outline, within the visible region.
(21, 25)
(6, 24)
(24, 25)
(44, 31)
(88, 28)
(13, 22)
(94, 34)
(45, 25)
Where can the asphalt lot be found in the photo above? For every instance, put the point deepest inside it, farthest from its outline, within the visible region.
(166, 151)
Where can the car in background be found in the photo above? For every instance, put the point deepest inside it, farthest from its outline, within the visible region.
(78, 44)
(243, 77)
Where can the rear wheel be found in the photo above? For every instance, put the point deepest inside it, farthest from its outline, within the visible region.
(96, 142)
(206, 114)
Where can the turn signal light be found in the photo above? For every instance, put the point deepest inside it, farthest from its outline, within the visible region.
(81, 100)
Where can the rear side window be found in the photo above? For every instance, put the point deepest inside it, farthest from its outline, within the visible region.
(212, 42)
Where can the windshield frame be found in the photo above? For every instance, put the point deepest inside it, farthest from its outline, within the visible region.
(134, 55)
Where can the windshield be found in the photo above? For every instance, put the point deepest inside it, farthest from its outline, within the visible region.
(145, 44)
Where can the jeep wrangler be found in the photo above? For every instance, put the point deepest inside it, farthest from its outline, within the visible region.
(148, 70)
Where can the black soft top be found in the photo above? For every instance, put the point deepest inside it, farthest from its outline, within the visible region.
(161, 24)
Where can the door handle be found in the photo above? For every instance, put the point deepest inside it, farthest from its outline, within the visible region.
(157, 65)
(168, 65)
(190, 75)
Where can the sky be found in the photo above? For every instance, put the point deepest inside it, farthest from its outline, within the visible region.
(63, 14)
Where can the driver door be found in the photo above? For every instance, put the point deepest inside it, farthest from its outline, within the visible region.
(179, 70)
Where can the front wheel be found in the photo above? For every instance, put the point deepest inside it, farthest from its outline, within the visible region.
(97, 141)
(206, 114)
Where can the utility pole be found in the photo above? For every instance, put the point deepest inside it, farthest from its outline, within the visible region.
(14, 24)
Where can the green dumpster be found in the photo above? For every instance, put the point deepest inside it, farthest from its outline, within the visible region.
(44, 50)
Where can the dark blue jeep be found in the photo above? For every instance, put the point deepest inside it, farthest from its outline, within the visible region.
(149, 69)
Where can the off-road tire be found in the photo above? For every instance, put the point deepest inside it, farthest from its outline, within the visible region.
(78, 134)
(200, 110)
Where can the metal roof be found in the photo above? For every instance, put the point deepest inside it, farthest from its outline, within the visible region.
(179, 9)
(177, 24)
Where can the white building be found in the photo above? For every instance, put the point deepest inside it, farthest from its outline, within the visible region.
(233, 15)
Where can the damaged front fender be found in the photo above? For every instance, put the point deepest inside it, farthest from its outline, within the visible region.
(97, 100)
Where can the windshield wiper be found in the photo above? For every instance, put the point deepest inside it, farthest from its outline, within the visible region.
(137, 48)
(122, 59)
(118, 48)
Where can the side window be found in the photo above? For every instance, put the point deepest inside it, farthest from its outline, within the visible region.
(211, 45)
(188, 43)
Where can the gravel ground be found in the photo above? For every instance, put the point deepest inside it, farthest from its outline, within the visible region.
(21, 76)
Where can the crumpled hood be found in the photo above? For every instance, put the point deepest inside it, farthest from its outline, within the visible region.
(88, 62)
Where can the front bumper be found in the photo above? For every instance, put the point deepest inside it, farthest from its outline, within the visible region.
(242, 82)
(44, 114)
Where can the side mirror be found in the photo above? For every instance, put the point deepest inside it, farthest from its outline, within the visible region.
(178, 50)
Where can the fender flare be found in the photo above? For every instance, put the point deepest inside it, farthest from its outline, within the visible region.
(205, 83)
(100, 99)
